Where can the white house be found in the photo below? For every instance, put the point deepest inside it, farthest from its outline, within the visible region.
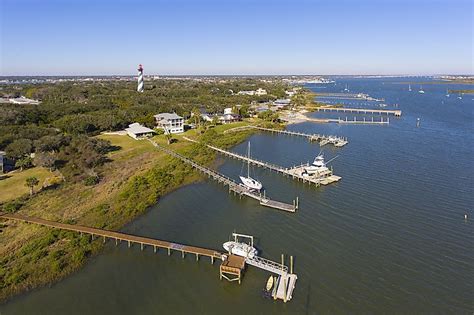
(170, 122)
(137, 131)
(227, 110)
(258, 92)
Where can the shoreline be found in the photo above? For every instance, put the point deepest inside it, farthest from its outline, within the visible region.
(97, 246)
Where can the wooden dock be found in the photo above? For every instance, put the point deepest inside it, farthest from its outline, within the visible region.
(231, 184)
(396, 113)
(295, 172)
(119, 236)
(322, 139)
(231, 268)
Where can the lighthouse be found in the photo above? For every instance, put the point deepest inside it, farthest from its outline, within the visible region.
(140, 87)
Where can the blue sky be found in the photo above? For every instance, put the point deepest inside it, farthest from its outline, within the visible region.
(60, 37)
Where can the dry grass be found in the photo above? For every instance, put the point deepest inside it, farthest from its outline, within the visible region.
(13, 186)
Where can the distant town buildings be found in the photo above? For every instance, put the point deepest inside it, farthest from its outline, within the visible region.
(137, 131)
(170, 122)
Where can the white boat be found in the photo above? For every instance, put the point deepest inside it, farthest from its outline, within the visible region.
(248, 181)
(318, 165)
(421, 90)
(240, 248)
(269, 285)
(447, 93)
(346, 89)
(409, 87)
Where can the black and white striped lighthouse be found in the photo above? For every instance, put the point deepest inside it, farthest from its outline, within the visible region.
(141, 86)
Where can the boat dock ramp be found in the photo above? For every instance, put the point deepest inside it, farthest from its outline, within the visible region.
(295, 172)
(233, 186)
(231, 264)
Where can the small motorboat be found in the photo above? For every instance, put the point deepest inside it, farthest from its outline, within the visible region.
(269, 285)
(240, 249)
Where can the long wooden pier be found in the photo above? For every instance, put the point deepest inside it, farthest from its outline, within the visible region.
(396, 113)
(322, 139)
(230, 263)
(233, 186)
(119, 236)
(296, 172)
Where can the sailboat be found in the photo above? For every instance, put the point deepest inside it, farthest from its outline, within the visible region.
(421, 90)
(460, 96)
(447, 93)
(409, 88)
(346, 89)
(248, 181)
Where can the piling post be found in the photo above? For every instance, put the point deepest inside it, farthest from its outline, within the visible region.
(169, 251)
(291, 264)
(182, 254)
(141, 246)
(116, 242)
(284, 295)
(104, 240)
(282, 261)
(197, 257)
(297, 202)
(154, 248)
(128, 244)
(212, 260)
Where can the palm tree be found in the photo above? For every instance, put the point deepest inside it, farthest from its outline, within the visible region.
(31, 182)
(197, 115)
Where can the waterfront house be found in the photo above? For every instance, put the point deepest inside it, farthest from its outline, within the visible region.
(170, 122)
(281, 102)
(258, 92)
(6, 164)
(137, 131)
(228, 118)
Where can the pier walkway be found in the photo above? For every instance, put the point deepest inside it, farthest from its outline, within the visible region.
(119, 236)
(396, 113)
(233, 186)
(322, 139)
(295, 172)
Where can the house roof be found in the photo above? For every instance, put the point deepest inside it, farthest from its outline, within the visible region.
(167, 116)
(137, 129)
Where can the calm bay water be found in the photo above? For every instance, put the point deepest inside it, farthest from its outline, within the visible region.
(390, 237)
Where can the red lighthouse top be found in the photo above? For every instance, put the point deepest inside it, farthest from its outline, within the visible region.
(140, 67)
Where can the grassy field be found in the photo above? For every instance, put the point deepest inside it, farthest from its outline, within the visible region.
(137, 176)
(12, 185)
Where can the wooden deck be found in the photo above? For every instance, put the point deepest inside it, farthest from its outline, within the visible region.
(119, 236)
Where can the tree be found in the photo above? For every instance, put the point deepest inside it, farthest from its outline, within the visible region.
(197, 115)
(31, 182)
(19, 148)
(24, 162)
(45, 159)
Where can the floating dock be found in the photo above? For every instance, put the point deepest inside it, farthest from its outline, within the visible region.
(231, 268)
(233, 186)
(396, 113)
(295, 172)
